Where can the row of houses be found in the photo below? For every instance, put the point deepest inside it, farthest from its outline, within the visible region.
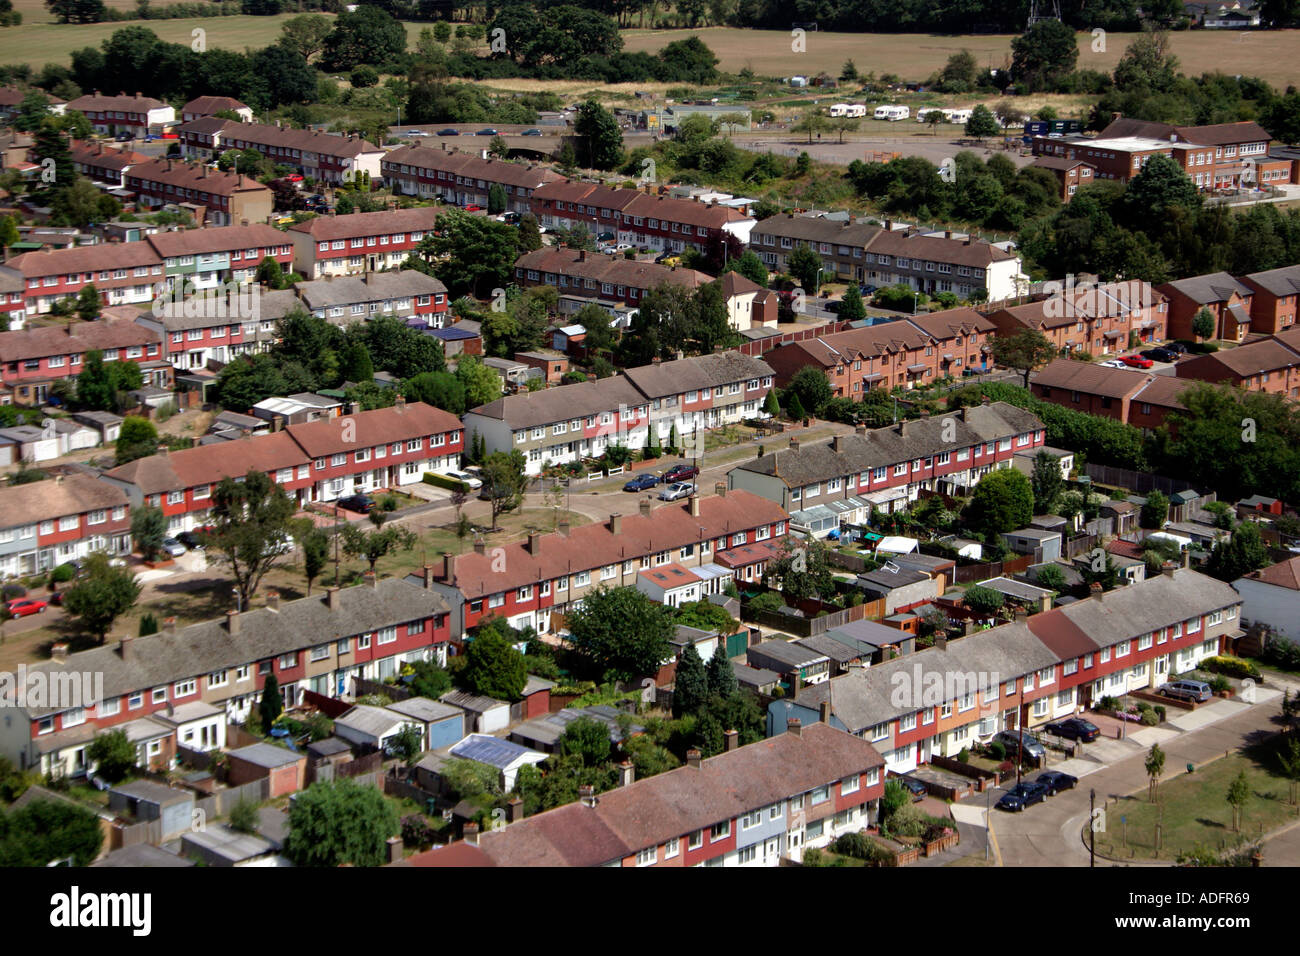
(1262, 302)
(327, 157)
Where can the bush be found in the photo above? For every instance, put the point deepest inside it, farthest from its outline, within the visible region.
(997, 751)
(10, 591)
(244, 817)
(963, 755)
(63, 574)
(767, 601)
(1231, 667)
(862, 847)
(445, 481)
(417, 831)
(1149, 717)
(1278, 652)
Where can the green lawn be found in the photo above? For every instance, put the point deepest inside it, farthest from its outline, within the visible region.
(1192, 809)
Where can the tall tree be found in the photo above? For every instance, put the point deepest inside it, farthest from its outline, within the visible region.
(806, 267)
(493, 668)
(1242, 553)
(271, 704)
(1002, 501)
(340, 821)
(504, 481)
(1023, 351)
(721, 675)
(365, 35)
(982, 123)
(102, 594)
(690, 684)
(1047, 482)
(622, 631)
(1045, 53)
(251, 524)
(148, 529)
(600, 136)
(315, 544)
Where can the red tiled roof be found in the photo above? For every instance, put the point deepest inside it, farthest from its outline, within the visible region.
(77, 337)
(74, 259)
(1284, 574)
(121, 102)
(357, 224)
(330, 436)
(194, 176)
(188, 242)
(614, 270)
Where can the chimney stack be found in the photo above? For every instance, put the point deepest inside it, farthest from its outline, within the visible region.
(587, 795)
(859, 429)
(720, 489)
(1095, 590)
(273, 600)
(835, 444)
(693, 758)
(232, 621)
(626, 773)
(399, 402)
(371, 578)
(169, 625)
(59, 650)
(514, 810)
(615, 525)
(733, 740)
(1187, 557)
(1167, 569)
(332, 595)
(794, 726)
(824, 714)
(480, 547)
(394, 845)
(695, 506)
(471, 834)
(448, 567)
(941, 640)
(645, 507)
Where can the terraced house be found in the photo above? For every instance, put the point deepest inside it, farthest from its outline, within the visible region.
(205, 258)
(331, 157)
(360, 242)
(1052, 665)
(888, 467)
(137, 115)
(123, 273)
(749, 806)
(182, 685)
(103, 163)
(590, 275)
(217, 328)
(1097, 319)
(65, 518)
(216, 198)
(405, 293)
(841, 243)
(565, 424)
(314, 461)
(462, 178)
(527, 583)
(32, 360)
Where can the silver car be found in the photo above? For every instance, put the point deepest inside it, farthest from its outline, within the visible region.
(680, 489)
(173, 547)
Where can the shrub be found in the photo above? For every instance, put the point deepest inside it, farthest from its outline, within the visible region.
(417, 831)
(445, 481)
(244, 817)
(1219, 683)
(1231, 666)
(1279, 651)
(964, 754)
(63, 574)
(11, 591)
(862, 847)
(998, 751)
(1150, 718)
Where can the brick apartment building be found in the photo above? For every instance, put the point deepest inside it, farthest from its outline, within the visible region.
(1273, 304)
(1228, 300)
(1096, 319)
(1268, 365)
(65, 518)
(208, 257)
(1127, 395)
(123, 273)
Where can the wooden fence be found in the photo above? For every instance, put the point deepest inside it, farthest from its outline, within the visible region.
(978, 572)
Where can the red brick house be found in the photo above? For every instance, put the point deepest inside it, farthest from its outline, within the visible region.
(462, 178)
(103, 163)
(1097, 319)
(218, 198)
(1228, 300)
(1269, 365)
(878, 356)
(592, 275)
(360, 242)
(1070, 173)
(123, 273)
(1126, 395)
(31, 360)
(1273, 305)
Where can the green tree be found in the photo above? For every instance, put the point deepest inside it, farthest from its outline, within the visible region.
(8, 232)
(504, 481)
(600, 136)
(1046, 482)
(244, 817)
(88, 304)
(45, 831)
(496, 197)
(368, 34)
(794, 408)
(690, 685)
(1289, 758)
(806, 267)
(315, 544)
(983, 601)
(1238, 796)
(340, 821)
(721, 675)
(1040, 57)
(1002, 501)
(493, 668)
(771, 405)
(803, 570)
(481, 383)
(1155, 766)
(813, 121)
(1236, 557)
(102, 595)
(982, 123)
(271, 704)
(1155, 511)
(960, 73)
(622, 631)
(812, 387)
(1024, 351)
(305, 35)
(851, 307)
(270, 274)
(113, 755)
(1203, 324)
(376, 544)
(439, 389)
(587, 739)
(408, 744)
(94, 384)
(251, 523)
(750, 266)
(137, 438)
(530, 235)
(470, 254)
(148, 528)
(1050, 577)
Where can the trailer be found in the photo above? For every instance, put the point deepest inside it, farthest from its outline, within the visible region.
(892, 113)
(848, 109)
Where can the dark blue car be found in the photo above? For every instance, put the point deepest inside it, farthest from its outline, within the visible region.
(1024, 794)
(641, 483)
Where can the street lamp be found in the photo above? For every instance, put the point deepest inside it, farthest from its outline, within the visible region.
(916, 301)
(239, 603)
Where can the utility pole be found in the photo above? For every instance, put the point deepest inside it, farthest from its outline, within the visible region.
(1092, 828)
(336, 545)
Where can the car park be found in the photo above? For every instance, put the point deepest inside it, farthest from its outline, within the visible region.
(1075, 728)
(1023, 794)
(1011, 740)
(678, 490)
(642, 483)
(361, 504)
(1136, 361)
(173, 547)
(1194, 690)
(679, 473)
(21, 607)
(1055, 781)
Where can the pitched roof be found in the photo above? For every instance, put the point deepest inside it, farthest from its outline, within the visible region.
(1223, 134)
(1158, 601)
(208, 105)
(525, 175)
(104, 155)
(951, 323)
(1213, 287)
(301, 140)
(56, 497)
(119, 103)
(1267, 355)
(702, 371)
(591, 546)
(378, 426)
(916, 245)
(1083, 302)
(885, 338)
(1284, 574)
(1092, 379)
(193, 176)
(1058, 162)
(76, 337)
(614, 270)
(208, 464)
(1280, 282)
(651, 811)
(817, 229)
(188, 242)
(377, 286)
(263, 633)
(97, 258)
(357, 224)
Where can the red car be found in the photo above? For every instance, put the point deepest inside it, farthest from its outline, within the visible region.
(1136, 361)
(24, 606)
(294, 177)
(472, 207)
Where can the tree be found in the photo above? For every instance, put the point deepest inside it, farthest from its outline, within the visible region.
(750, 266)
(496, 197)
(1046, 482)
(244, 817)
(1002, 501)
(587, 739)
(148, 528)
(812, 121)
(271, 703)
(113, 754)
(1023, 351)
(982, 123)
(365, 35)
(315, 544)
(45, 831)
(408, 744)
(137, 438)
(1155, 766)
(806, 267)
(851, 306)
(720, 674)
(794, 408)
(101, 595)
(88, 304)
(771, 405)
(94, 384)
(493, 668)
(812, 387)
(530, 235)
(599, 133)
(622, 631)
(471, 254)
(504, 481)
(1290, 761)
(1050, 577)
(340, 821)
(984, 601)
(1042, 55)
(1203, 324)
(959, 74)
(1155, 511)
(1161, 188)
(802, 571)
(427, 679)
(376, 544)
(8, 232)
(480, 382)
(1237, 797)
(439, 389)
(305, 35)
(690, 685)
(250, 526)
(844, 124)
(1244, 552)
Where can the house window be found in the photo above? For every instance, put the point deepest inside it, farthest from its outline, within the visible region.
(183, 688)
(672, 848)
(720, 831)
(695, 840)
(849, 784)
(820, 795)
(158, 695)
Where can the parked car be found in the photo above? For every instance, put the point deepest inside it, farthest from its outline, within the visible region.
(1179, 347)
(472, 207)
(471, 482)
(1196, 690)
(1136, 361)
(1010, 739)
(173, 547)
(679, 473)
(509, 217)
(361, 504)
(867, 289)
(487, 132)
(1113, 363)
(1055, 781)
(191, 539)
(448, 132)
(21, 607)
(1159, 354)
(1075, 728)
(531, 132)
(669, 259)
(673, 492)
(294, 177)
(124, 137)
(416, 132)
(642, 483)
(56, 599)
(623, 247)
(915, 787)
(1024, 794)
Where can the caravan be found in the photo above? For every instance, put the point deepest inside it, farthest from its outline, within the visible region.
(956, 117)
(848, 109)
(891, 113)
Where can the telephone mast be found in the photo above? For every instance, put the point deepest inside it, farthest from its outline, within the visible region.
(1041, 10)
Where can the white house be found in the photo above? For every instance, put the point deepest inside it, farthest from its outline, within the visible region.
(1272, 596)
(670, 584)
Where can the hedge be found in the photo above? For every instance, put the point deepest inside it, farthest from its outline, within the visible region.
(1231, 666)
(445, 481)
